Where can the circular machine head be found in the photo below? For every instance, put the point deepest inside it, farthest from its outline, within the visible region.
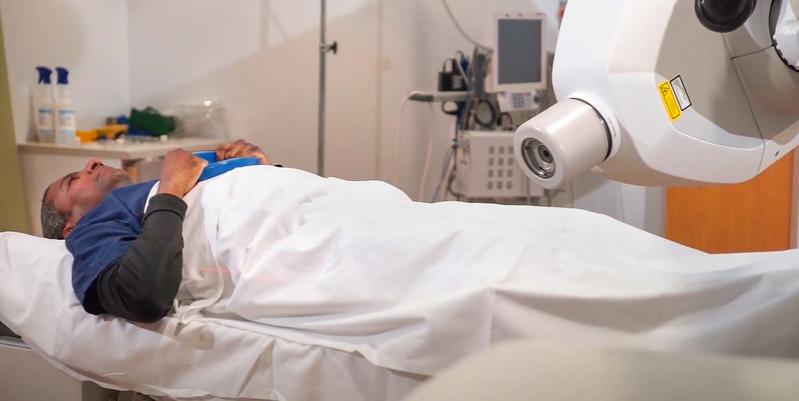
(538, 158)
(564, 141)
(724, 15)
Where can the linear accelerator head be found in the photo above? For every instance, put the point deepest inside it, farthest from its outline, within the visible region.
(653, 93)
(564, 141)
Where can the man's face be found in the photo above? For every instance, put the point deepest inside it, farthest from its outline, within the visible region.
(77, 193)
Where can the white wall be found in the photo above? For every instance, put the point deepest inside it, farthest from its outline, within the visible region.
(89, 37)
(641, 207)
(260, 59)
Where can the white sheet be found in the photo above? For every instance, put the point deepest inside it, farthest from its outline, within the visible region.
(353, 283)
(205, 359)
(414, 287)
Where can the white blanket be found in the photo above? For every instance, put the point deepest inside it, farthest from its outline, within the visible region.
(205, 359)
(357, 270)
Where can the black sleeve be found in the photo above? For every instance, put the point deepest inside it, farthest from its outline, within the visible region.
(142, 285)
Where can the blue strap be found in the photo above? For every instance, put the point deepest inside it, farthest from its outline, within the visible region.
(215, 168)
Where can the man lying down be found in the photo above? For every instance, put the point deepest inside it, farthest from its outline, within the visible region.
(128, 260)
(359, 267)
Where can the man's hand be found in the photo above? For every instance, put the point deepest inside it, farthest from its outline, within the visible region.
(240, 148)
(180, 172)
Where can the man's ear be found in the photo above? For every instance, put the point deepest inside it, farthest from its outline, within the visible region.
(67, 229)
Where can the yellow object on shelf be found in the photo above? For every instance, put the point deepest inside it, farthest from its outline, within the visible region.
(109, 132)
(87, 136)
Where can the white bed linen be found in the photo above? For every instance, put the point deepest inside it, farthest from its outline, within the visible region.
(352, 283)
(359, 267)
(205, 359)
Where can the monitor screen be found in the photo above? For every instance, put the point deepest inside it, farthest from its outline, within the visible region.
(519, 51)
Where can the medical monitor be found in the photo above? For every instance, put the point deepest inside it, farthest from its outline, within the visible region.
(519, 60)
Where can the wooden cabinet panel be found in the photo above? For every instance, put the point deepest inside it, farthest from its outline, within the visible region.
(750, 217)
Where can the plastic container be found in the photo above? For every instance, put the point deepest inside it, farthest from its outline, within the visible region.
(66, 127)
(43, 106)
(205, 120)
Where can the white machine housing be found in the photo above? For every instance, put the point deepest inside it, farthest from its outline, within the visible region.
(649, 96)
(487, 168)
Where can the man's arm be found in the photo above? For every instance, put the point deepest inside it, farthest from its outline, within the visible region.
(143, 283)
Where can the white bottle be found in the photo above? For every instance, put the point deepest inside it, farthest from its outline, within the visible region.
(66, 127)
(43, 106)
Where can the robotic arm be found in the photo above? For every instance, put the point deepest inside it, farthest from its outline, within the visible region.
(668, 92)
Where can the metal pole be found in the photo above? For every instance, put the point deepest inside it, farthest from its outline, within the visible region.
(320, 152)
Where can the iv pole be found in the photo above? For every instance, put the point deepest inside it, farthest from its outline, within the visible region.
(324, 48)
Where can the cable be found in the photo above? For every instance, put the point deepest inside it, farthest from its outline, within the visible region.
(452, 176)
(397, 139)
(478, 118)
(528, 195)
(450, 112)
(458, 26)
(506, 121)
(444, 171)
(571, 187)
(426, 169)
(448, 162)
(462, 71)
(398, 146)
(549, 194)
(466, 116)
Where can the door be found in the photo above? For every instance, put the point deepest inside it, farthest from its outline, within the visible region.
(751, 217)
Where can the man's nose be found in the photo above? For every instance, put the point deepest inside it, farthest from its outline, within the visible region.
(91, 165)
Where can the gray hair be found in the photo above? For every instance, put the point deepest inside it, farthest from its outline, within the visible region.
(53, 222)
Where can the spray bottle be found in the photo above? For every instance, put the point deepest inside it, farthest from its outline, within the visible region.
(65, 124)
(43, 107)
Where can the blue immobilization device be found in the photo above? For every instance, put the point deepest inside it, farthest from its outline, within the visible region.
(215, 168)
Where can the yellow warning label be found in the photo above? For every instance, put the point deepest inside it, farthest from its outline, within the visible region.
(669, 101)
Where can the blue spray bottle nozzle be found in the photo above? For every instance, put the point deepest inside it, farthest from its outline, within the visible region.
(63, 75)
(44, 75)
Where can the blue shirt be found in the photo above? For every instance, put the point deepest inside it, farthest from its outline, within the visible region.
(102, 237)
